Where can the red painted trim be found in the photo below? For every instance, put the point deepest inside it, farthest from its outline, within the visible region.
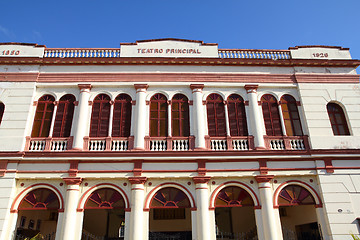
(36, 186)
(201, 179)
(141, 86)
(3, 167)
(329, 166)
(99, 186)
(84, 86)
(73, 181)
(170, 39)
(137, 180)
(300, 183)
(264, 178)
(169, 184)
(235, 184)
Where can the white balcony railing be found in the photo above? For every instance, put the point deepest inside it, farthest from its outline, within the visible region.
(38, 144)
(299, 143)
(254, 54)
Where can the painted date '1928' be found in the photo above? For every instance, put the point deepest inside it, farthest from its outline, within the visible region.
(12, 52)
(320, 55)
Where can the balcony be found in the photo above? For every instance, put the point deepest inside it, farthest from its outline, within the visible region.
(38, 144)
(108, 143)
(299, 143)
(238, 143)
(169, 143)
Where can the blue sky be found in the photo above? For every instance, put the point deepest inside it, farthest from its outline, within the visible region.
(261, 24)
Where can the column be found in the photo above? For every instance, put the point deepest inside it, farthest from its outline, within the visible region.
(202, 204)
(53, 119)
(82, 119)
(169, 119)
(140, 116)
(227, 119)
(269, 222)
(282, 120)
(256, 122)
(71, 202)
(324, 226)
(259, 224)
(111, 116)
(198, 116)
(137, 208)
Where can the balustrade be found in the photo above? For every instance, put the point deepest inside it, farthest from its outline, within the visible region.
(82, 53)
(287, 142)
(254, 54)
(169, 143)
(237, 143)
(107, 143)
(48, 144)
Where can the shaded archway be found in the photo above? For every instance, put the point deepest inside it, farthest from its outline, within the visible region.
(170, 215)
(38, 214)
(104, 215)
(297, 213)
(234, 214)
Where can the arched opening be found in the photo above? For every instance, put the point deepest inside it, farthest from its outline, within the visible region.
(122, 116)
(180, 116)
(38, 214)
(234, 214)
(237, 116)
(170, 215)
(43, 116)
(337, 119)
(64, 116)
(99, 124)
(291, 116)
(271, 115)
(158, 116)
(104, 215)
(215, 109)
(297, 214)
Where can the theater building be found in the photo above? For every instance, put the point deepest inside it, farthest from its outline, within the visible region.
(178, 139)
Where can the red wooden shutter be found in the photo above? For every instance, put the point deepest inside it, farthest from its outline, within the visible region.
(158, 116)
(100, 115)
(271, 115)
(337, 119)
(215, 115)
(291, 116)
(43, 116)
(122, 116)
(180, 116)
(64, 116)
(237, 116)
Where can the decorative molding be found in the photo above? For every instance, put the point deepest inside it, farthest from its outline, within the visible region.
(263, 167)
(251, 88)
(329, 166)
(73, 168)
(263, 178)
(201, 167)
(197, 86)
(73, 181)
(84, 86)
(137, 180)
(137, 171)
(201, 179)
(141, 86)
(3, 167)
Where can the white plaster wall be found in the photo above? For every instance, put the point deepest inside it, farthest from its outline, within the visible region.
(17, 98)
(7, 194)
(315, 97)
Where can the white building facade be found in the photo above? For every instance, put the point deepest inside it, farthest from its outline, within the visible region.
(177, 139)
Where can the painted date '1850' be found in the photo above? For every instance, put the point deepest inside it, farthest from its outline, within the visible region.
(320, 55)
(12, 52)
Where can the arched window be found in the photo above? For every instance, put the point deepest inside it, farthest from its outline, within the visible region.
(180, 116)
(158, 116)
(215, 115)
(40, 199)
(271, 115)
(293, 195)
(106, 198)
(233, 197)
(100, 115)
(122, 116)
(64, 116)
(337, 119)
(237, 116)
(291, 116)
(170, 198)
(43, 116)
(2, 109)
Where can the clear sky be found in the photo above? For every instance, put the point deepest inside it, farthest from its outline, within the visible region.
(254, 24)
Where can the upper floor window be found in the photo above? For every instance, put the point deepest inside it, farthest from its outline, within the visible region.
(180, 116)
(122, 116)
(215, 115)
(43, 116)
(291, 116)
(337, 119)
(237, 116)
(271, 115)
(99, 125)
(2, 109)
(64, 116)
(158, 116)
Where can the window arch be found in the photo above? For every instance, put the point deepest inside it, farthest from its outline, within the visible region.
(64, 116)
(40, 199)
(158, 116)
(271, 115)
(215, 115)
(237, 116)
(293, 195)
(2, 110)
(233, 196)
(122, 116)
(106, 198)
(291, 116)
(43, 116)
(100, 115)
(180, 116)
(170, 197)
(337, 119)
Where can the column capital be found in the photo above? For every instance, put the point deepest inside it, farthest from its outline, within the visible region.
(196, 86)
(201, 179)
(251, 88)
(137, 180)
(141, 86)
(84, 86)
(264, 178)
(72, 181)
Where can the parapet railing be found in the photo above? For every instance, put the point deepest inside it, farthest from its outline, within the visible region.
(254, 54)
(115, 53)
